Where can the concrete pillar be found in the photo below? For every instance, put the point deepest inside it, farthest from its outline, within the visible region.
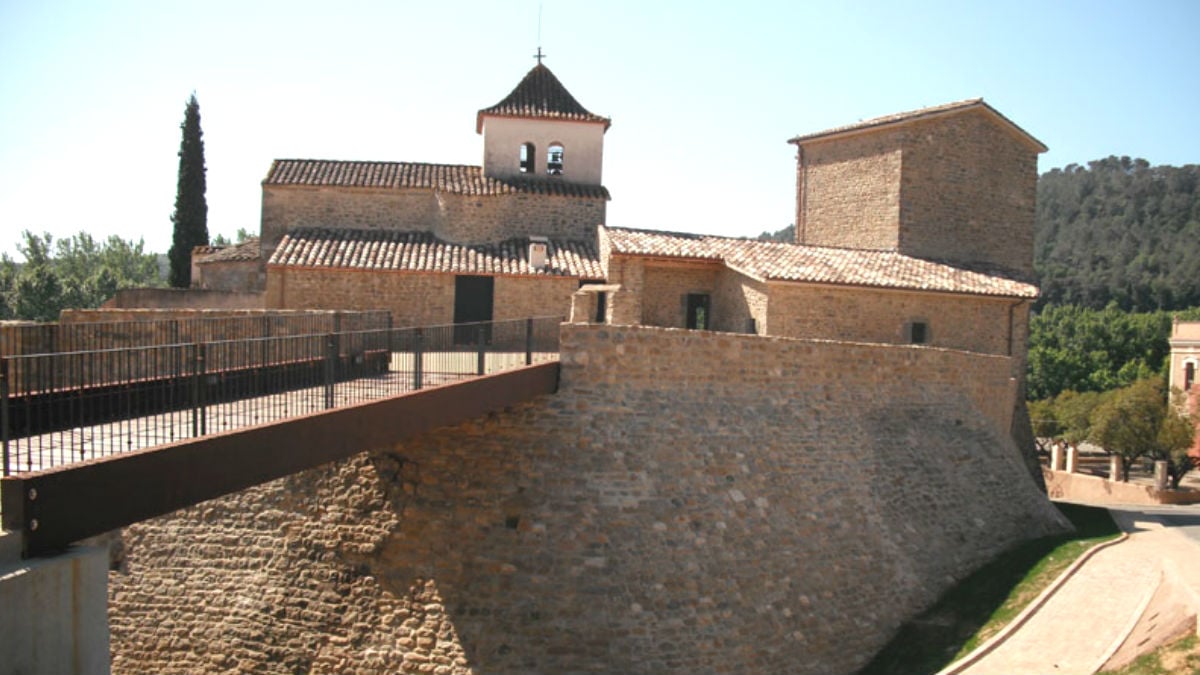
(1160, 475)
(1114, 468)
(1056, 457)
(55, 611)
(1072, 459)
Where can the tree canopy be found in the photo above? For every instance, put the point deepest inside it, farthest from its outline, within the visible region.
(78, 272)
(191, 209)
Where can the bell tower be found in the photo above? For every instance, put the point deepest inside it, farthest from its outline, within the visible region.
(540, 132)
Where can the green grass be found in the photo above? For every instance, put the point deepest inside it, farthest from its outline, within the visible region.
(983, 603)
(1179, 657)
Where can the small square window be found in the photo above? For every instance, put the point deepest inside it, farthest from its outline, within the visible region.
(918, 332)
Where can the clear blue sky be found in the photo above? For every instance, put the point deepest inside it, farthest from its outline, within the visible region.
(703, 95)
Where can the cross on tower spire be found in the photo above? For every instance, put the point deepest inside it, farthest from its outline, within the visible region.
(539, 55)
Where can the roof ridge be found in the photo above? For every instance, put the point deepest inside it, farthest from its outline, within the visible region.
(920, 113)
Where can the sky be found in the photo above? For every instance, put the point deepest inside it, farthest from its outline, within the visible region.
(703, 96)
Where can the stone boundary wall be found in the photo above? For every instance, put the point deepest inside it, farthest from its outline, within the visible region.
(1075, 487)
(180, 298)
(688, 502)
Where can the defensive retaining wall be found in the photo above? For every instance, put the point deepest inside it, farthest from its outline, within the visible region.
(689, 502)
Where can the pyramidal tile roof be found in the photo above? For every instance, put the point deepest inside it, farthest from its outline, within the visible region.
(391, 250)
(540, 95)
(923, 113)
(774, 261)
(450, 178)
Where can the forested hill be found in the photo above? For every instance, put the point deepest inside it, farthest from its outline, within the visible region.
(1119, 230)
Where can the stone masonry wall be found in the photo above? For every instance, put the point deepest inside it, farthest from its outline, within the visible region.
(689, 502)
(968, 194)
(452, 217)
(665, 288)
(971, 323)
(514, 297)
(848, 192)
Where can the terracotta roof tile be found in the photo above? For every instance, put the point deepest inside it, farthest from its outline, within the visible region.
(772, 261)
(913, 115)
(390, 250)
(244, 250)
(540, 95)
(451, 178)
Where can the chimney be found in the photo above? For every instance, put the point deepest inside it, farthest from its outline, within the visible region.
(539, 252)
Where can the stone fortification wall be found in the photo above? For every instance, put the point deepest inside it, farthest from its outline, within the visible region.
(513, 297)
(452, 217)
(689, 502)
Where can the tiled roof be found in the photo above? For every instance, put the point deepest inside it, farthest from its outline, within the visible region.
(772, 261)
(451, 178)
(243, 250)
(540, 94)
(913, 115)
(391, 250)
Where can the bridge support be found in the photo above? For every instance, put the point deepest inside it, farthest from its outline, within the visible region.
(55, 617)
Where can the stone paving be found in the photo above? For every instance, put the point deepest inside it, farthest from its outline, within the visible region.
(1084, 622)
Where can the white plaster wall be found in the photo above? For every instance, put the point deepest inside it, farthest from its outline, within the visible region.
(583, 147)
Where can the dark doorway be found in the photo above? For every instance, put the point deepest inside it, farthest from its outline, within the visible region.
(601, 308)
(473, 298)
(697, 311)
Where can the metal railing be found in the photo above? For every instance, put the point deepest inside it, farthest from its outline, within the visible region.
(61, 408)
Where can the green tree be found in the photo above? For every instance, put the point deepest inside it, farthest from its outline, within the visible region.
(191, 210)
(70, 273)
(1135, 422)
(1175, 439)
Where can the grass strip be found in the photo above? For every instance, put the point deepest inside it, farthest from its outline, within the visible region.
(981, 605)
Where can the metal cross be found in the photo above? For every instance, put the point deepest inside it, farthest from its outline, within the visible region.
(539, 56)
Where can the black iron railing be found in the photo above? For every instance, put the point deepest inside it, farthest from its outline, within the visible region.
(68, 407)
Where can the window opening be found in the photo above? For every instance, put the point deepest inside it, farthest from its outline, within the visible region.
(601, 307)
(697, 311)
(1189, 375)
(528, 155)
(554, 160)
(918, 333)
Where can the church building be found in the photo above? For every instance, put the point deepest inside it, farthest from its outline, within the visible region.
(914, 228)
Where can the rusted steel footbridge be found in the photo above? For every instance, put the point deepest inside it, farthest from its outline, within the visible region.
(97, 439)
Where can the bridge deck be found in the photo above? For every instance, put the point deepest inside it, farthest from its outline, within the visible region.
(58, 506)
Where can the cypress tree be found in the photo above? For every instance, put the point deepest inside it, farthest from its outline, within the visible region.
(191, 210)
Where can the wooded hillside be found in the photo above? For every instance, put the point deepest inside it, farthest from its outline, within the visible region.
(1119, 231)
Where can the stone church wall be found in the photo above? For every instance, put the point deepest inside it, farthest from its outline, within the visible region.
(848, 192)
(452, 217)
(689, 502)
(316, 288)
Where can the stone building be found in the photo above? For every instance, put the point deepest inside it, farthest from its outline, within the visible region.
(234, 267)
(1185, 361)
(915, 228)
(762, 457)
(439, 243)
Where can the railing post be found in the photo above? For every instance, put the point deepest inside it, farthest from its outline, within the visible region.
(481, 355)
(330, 355)
(4, 410)
(199, 368)
(529, 341)
(418, 354)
